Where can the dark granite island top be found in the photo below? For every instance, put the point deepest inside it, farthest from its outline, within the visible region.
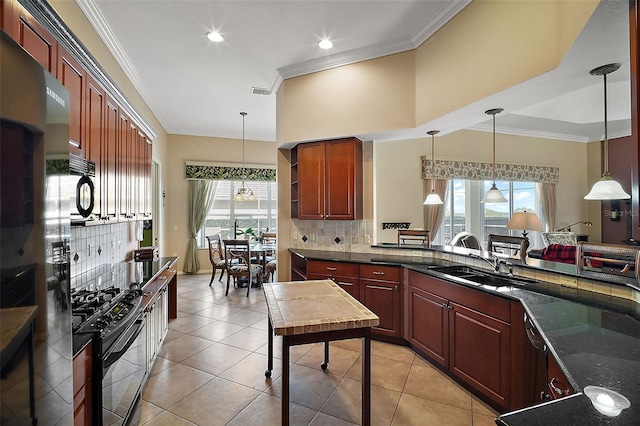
(595, 338)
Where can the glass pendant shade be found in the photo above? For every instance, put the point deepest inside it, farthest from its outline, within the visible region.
(494, 195)
(244, 193)
(433, 198)
(606, 188)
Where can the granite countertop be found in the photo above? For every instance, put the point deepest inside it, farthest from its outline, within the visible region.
(594, 337)
(313, 306)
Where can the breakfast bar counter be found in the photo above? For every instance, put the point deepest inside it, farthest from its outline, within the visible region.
(317, 311)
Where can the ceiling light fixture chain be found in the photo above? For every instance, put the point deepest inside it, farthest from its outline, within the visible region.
(244, 194)
(433, 197)
(494, 195)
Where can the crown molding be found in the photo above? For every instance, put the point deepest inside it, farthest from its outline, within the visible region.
(52, 22)
(403, 44)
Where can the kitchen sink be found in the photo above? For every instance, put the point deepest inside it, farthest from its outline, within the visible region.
(478, 276)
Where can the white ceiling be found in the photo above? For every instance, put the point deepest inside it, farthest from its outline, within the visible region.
(197, 87)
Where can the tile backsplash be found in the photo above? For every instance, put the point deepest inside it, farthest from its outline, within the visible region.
(91, 247)
(333, 235)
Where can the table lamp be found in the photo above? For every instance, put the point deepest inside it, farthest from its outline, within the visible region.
(525, 220)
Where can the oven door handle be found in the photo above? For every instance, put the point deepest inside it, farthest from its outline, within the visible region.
(123, 343)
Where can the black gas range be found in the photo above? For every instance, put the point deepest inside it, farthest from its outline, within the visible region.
(106, 312)
(115, 320)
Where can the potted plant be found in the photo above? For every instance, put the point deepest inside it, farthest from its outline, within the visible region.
(248, 233)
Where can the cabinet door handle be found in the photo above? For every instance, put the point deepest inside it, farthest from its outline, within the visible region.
(378, 273)
(331, 268)
(343, 283)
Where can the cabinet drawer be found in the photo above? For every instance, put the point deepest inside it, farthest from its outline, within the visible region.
(382, 273)
(341, 269)
(488, 304)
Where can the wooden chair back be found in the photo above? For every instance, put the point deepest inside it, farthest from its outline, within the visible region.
(215, 249)
(238, 257)
(414, 236)
(511, 245)
(268, 238)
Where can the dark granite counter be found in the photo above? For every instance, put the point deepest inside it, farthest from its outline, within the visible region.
(595, 338)
(124, 275)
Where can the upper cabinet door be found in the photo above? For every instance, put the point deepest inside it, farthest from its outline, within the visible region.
(95, 116)
(35, 39)
(329, 180)
(343, 179)
(311, 169)
(74, 77)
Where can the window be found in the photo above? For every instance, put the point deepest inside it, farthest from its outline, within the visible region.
(464, 210)
(260, 215)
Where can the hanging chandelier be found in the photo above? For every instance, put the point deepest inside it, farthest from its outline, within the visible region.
(244, 193)
(606, 188)
(433, 198)
(494, 195)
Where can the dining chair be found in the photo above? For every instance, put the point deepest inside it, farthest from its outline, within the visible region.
(269, 238)
(216, 256)
(271, 270)
(238, 256)
(509, 244)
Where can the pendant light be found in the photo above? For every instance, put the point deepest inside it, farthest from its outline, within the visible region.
(243, 194)
(494, 195)
(606, 188)
(433, 198)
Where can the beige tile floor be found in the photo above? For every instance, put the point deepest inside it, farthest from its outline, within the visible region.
(210, 371)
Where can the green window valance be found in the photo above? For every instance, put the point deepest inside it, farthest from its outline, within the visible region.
(446, 169)
(222, 172)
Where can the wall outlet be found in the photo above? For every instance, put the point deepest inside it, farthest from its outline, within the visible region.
(89, 250)
(113, 243)
(313, 236)
(367, 239)
(294, 236)
(175, 227)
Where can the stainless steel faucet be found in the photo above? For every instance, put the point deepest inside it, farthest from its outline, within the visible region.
(494, 261)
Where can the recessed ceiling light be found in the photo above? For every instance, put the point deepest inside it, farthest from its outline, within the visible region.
(325, 44)
(215, 36)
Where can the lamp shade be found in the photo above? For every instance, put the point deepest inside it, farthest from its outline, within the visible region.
(494, 195)
(607, 189)
(525, 221)
(432, 199)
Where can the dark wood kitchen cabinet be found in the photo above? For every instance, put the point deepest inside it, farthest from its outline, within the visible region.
(32, 36)
(467, 332)
(346, 275)
(377, 287)
(380, 292)
(74, 78)
(82, 366)
(95, 138)
(109, 160)
(327, 180)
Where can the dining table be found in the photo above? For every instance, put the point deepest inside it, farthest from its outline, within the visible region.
(260, 251)
(316, 311)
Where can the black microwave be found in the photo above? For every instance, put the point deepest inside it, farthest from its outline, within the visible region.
(82, 173)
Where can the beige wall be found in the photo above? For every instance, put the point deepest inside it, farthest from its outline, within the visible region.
(368, 96)
(491, 46)
(201, 149)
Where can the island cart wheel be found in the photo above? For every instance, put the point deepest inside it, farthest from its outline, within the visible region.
(267, 373)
